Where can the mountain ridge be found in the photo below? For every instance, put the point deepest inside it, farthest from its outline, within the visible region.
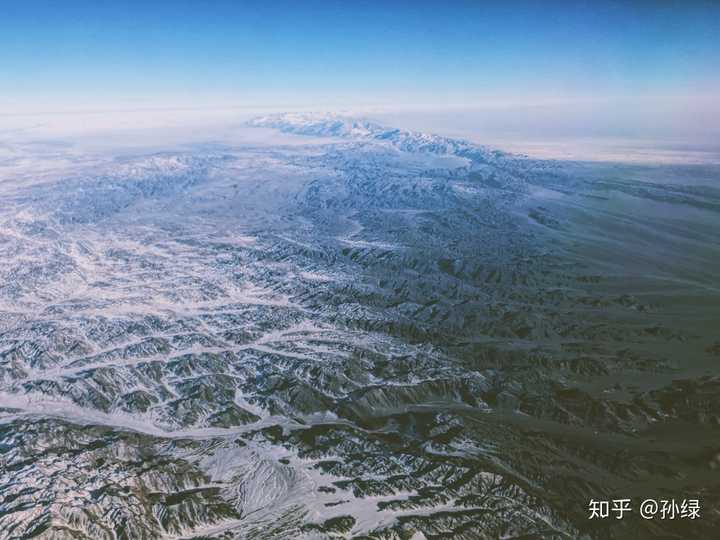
(360, 129)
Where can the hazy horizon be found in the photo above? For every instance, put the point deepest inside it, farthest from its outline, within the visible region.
(511, 127)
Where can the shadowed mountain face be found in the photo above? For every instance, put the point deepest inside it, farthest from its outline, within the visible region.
(384, 335)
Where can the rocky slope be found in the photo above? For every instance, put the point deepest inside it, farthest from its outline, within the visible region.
(391, 335)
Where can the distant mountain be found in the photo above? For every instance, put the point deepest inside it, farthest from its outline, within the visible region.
(333, 125)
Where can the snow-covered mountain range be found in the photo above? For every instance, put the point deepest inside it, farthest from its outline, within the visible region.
(386, 335)
(357, 129)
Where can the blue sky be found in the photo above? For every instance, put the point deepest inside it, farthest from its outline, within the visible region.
(312, 52)
(599, 67)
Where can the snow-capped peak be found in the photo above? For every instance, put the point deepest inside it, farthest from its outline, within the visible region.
(347, 127)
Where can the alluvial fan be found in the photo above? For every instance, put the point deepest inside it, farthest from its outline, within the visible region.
(383, 334)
